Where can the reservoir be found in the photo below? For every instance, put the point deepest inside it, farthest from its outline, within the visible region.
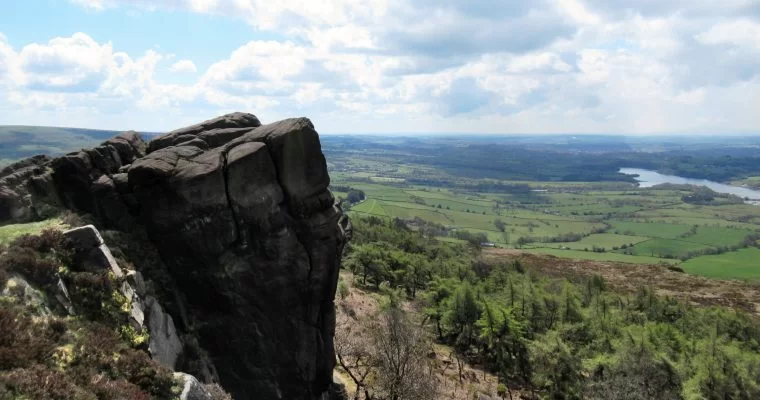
(647, 178)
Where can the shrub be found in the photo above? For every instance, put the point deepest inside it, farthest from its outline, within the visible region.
(501, 390)
(24, 341)
(96, 297)
(675, 268)
(25, 261)
(139, 369)
(343, 290)
(216, 392)
(38, 382)
(47, 241)
(119, 389)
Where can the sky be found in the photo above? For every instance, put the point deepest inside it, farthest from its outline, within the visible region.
(385, 66)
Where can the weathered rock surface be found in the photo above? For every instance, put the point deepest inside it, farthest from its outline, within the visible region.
(91, 253)
(191, 388)
(242, 218)
(164, 345)
(15, 200)
(18, 287)
(74, 180)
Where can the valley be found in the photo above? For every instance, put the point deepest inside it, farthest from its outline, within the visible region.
(617, 221)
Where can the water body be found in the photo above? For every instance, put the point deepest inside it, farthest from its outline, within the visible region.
(647, 178)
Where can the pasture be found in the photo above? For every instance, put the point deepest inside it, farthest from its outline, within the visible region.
(10, 232)
(602, 221)
(741, 264)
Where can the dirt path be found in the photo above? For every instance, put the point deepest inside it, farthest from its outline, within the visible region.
(629, 277)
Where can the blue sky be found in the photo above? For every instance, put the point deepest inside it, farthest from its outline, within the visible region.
(355, 66)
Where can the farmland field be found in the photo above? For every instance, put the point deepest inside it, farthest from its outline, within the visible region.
(650, 229)
(580, 220)
(665, 248)
(641, 227)
(603, 220)
(741, 264)
(607, 241)
(589, 255)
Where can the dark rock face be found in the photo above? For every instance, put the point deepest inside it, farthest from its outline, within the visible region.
(242, 217)
(252, 236)
(84, 181)
(15, 200)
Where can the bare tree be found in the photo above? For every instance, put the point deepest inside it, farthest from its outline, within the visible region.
(353, 353)
(400, 358)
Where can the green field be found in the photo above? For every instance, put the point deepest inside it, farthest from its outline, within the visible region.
(650, 229)
(607, 241)
(10, 232)
(590, 255)
(741, 264)
(666, 248)
(718, 236)
(622, 222)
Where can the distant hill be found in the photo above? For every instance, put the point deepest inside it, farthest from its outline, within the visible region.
(17, 142)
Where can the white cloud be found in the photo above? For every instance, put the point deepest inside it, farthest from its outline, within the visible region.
(91, 4)
(76, 64)
(578, 12)
(7, 59)
(483, 65)
(742, 32)
(183, 66)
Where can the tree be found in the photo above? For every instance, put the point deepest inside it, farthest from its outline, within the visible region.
(353, 353)
(400, 356)
(639, 374)
(556, 369)
(355, 196)
(440, 290)
(500, 225)
(369, 260)
(463, 311)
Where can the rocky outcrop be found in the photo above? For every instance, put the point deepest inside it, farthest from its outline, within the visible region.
(242, 217)
(86, 181)
(15, 200)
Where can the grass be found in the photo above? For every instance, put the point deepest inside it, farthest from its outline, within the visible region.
(650, 229)
(10, 232)
(655, 221)
(658, 247)
(742, 264)
(718, 236)
(370, 206)
(607, 256)
(604, 240)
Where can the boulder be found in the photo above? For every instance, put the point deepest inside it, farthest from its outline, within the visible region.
(91, 253)
(164, 346)
(191, 388)
(15, 199)
(18, 287)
